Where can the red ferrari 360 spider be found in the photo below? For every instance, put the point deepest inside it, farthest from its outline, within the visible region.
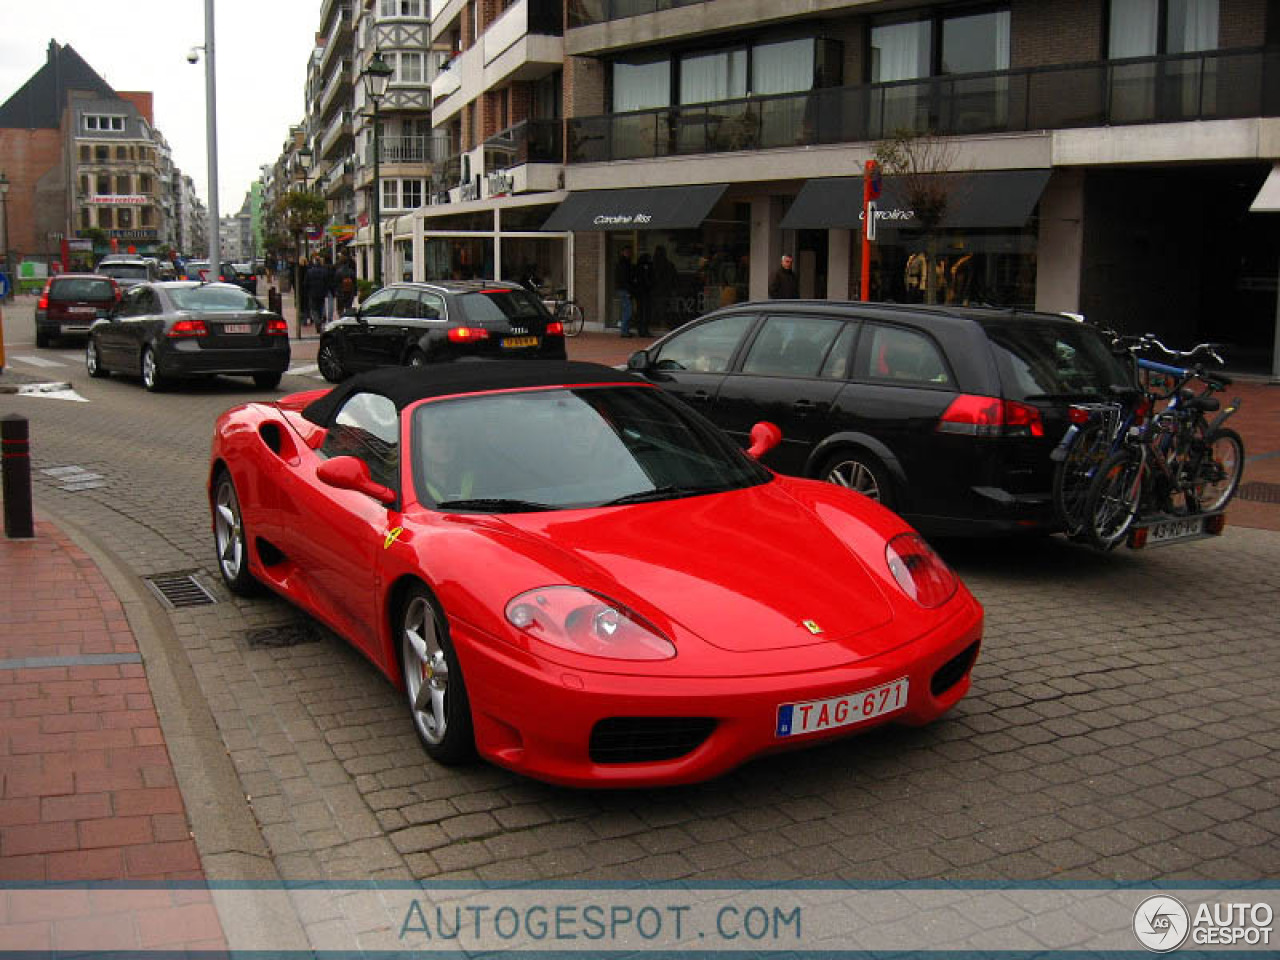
(573, 574)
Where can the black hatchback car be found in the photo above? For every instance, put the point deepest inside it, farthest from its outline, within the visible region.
(946, 415)
(182, 329)
(411, 324)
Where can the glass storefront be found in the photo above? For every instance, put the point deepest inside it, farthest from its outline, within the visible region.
(956, 267)
(458, 258)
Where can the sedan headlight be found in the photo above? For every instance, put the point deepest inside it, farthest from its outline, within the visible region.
(584, 622)
(919, 571)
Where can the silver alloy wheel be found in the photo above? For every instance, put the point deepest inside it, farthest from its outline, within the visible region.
(856, 476)
(228, 530)
(426, 670)
(329, 364)
(91, 358)
(149, 369)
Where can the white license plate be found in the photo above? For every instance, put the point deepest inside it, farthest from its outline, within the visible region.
(82, 309)
(520, 342)
(237, 328)
(843, 711)
(1169, 530)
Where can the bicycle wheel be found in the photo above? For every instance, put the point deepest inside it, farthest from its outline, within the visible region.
(1113, 499)
(571, 317)
(1072, 476)
(1217, 470)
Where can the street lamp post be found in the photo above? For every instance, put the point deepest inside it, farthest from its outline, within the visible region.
(376, 77)
(4, 231)
(300, 265)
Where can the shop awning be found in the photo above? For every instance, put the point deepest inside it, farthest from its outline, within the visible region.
(1268, 198)
(636, 208)
(974, 200)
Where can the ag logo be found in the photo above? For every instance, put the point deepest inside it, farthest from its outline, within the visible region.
(1161, 923)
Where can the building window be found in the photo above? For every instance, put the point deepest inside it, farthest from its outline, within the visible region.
(786, 67)
(400, 8)
(86, 218)
(390, 194)
(978, 43)
(122, 153)
(84, 153)
(101, 153)
(1135, 27)
(99, 122)
(970, 43)
(104, 218)
(103, 184)
(124, 217)
(408, 67)
(144, 183)
(144, 217)
(411, 193)
(708, 77)
(641, 86)
(123, 185)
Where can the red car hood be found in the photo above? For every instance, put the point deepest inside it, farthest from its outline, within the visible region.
(745, 571)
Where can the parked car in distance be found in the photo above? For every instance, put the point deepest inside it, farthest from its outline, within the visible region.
(569, 572)
(167, 271)
(129, 271)
(71, 302)
(945, 414)
(167, 331)
(242, 275)
(411, 324)
(196, 271)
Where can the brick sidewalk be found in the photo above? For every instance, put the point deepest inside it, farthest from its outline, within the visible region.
(87, 791)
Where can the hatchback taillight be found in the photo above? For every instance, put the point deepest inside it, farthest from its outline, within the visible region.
(277, 327)
(43, 302)
(991, 417)
(555, 329)
(468, 334)
(188, 328)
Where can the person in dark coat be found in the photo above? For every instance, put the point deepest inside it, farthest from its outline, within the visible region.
(785, 285)
(622, 277)
(642, 290)
(316, 285)
(344, 284)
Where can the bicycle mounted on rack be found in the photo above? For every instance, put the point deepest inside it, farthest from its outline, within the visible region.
(564, 309)
(1132, 469)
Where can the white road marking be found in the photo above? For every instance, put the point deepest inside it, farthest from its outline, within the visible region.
(54, 391)
(305, 370)
(39, 361)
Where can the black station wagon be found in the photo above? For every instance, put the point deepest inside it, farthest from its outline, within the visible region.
(411, 324)
(946, 415)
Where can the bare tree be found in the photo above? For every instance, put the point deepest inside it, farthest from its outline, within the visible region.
(925, 165)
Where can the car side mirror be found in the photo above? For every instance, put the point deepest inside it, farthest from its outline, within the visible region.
(639, 361)
(352, 473)
(764, 437)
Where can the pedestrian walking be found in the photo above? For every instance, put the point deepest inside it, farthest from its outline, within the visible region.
(315, 287)
(785, 285)
(622, 279)
(345, 285)
(642, 291)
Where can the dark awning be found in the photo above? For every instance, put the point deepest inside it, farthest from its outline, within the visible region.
(974, 200)
(636, 208)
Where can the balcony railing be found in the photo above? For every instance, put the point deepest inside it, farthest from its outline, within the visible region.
(446, 174)
(530, 141)
(583, 13)
(1219, 85)
(398, 150)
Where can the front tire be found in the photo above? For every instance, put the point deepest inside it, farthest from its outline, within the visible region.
(151, 378)
(860, 472)
(1218, 469)
(230, 539)
(1114, 497)
(93, 360)
(330, 363)
(438, 702)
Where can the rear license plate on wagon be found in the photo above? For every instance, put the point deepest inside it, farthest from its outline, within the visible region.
(510, 342)
(237, 328)
(843, 711)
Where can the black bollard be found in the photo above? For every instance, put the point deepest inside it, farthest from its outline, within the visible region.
(275, 302)
(15, 465)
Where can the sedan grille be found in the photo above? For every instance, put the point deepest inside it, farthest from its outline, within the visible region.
(953, 671)
(647, 739)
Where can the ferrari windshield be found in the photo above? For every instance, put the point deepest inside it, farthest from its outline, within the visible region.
(568, 448)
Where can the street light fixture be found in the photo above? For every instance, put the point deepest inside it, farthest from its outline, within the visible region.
(376, 77)
(304, 157)
(211, 132)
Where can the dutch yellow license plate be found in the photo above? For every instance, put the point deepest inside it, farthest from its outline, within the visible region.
(510, 342)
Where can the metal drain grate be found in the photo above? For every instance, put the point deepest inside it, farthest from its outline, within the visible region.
(1259, 492)
(179, 590)
(283, 635)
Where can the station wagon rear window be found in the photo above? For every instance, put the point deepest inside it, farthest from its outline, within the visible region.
(125, 271)
(81, 289)
(499, 305)
(1044, 361)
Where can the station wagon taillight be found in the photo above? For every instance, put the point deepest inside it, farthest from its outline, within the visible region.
(468, 334)
(188, 328)
(991, 417)
(555, 329)
(277, 327)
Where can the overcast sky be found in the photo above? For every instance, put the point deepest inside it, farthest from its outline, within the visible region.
(261, 46)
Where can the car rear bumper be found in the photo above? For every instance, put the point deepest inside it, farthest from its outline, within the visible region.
(540, 722)
(190, 358)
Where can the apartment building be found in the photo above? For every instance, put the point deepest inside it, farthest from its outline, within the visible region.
(1096, 156)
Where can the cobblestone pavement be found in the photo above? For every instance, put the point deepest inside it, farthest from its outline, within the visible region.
(1123, 725)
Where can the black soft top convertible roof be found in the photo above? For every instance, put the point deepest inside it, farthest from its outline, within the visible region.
(406, 385)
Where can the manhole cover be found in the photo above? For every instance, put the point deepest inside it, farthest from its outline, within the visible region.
(1260, 492)
(179, 590)
(283, 635)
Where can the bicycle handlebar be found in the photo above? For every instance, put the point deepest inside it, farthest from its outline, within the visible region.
(1146, 341)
